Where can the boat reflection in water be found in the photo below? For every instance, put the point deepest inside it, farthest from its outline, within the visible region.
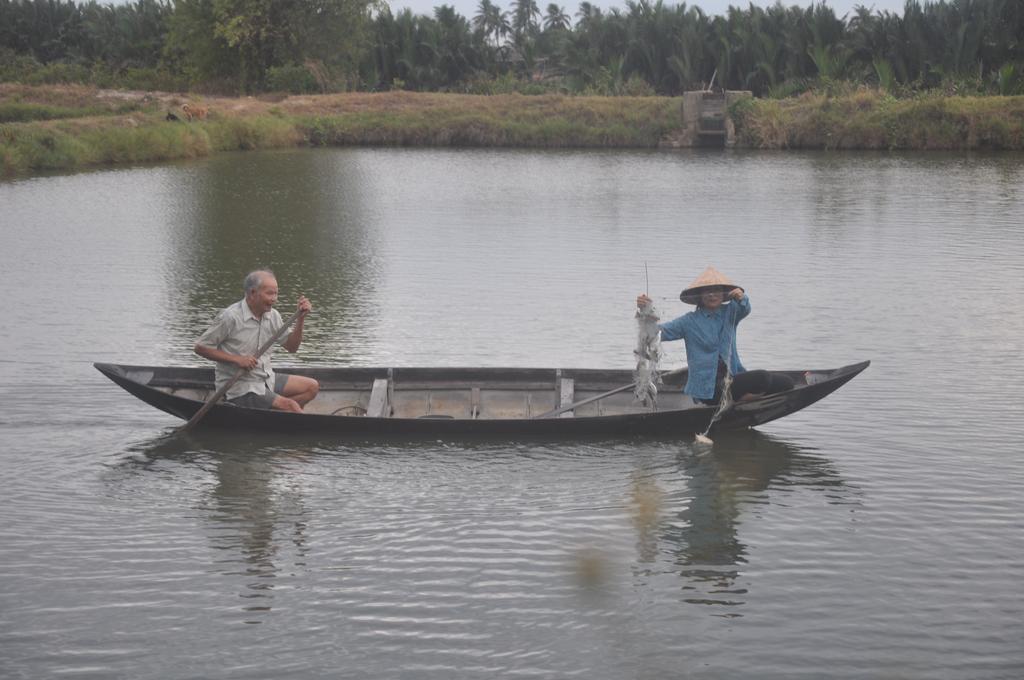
(688, 503)
(744, 471)
(256, 519)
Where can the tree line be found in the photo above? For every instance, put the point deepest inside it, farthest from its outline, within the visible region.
(248, 46)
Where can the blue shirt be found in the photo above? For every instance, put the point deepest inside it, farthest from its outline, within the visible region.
(708, 335)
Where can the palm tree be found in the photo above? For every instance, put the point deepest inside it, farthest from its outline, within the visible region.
(556, 19)
(524, 19)
(491, 21)
(827, 50)
(457, 56)
(690, 57)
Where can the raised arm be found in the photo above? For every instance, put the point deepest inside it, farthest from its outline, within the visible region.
(742, 302)
(671, 330)
(295, 337)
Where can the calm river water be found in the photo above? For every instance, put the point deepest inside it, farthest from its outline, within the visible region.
(875, 535)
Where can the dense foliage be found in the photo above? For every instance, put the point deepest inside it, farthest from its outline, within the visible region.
(960, 46)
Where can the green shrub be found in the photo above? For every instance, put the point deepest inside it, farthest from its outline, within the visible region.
(637, 87)
(507, 83)
(16, 68)
(885, 74)
(151, 79)
(293, 78)
(257, 132)
(59, 72)
(20, 112)
(46, 149)
(790, 88)
(1008, 80)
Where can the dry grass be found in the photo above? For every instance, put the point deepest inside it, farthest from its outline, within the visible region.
(869, 119)
(72, 126)
(117, 126)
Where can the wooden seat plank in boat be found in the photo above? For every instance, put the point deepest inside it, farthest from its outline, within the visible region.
(379, 406)
(566, 390)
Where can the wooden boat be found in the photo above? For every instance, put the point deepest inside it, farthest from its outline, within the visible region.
(457, 402)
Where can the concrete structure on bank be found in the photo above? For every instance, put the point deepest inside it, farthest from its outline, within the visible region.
(706, 119)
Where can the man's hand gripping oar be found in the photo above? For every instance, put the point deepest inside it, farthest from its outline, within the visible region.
(219, 394)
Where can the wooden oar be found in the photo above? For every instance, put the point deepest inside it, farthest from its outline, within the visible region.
(588, 400)
(242, 371)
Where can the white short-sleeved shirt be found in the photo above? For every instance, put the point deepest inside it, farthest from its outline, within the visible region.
(238, 331)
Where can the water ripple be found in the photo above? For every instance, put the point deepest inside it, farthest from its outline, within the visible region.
(874, 534)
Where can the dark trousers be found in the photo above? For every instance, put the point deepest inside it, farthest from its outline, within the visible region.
(751, 382)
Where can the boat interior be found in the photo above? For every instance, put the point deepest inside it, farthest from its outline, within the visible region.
(456, 393)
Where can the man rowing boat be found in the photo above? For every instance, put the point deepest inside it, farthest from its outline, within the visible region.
(235, 337)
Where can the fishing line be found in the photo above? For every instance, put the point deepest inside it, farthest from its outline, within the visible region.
(723, 403)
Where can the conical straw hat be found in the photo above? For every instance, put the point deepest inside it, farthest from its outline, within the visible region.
(710, 279)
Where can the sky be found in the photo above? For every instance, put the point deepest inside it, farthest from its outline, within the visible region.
(467, 8)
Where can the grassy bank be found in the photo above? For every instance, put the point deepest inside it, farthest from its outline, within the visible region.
(870, 119)
(67, 127)
(134, 127)
(544, 121)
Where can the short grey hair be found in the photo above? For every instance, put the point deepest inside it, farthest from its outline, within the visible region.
(254, 280)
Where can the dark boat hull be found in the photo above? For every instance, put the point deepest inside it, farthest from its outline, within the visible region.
(155, 386)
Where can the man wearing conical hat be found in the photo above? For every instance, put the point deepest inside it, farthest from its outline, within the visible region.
(710, 336)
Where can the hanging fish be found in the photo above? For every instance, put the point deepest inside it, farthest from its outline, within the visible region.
(648, 355)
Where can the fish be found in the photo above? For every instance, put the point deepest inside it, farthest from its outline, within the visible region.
(648, 354)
